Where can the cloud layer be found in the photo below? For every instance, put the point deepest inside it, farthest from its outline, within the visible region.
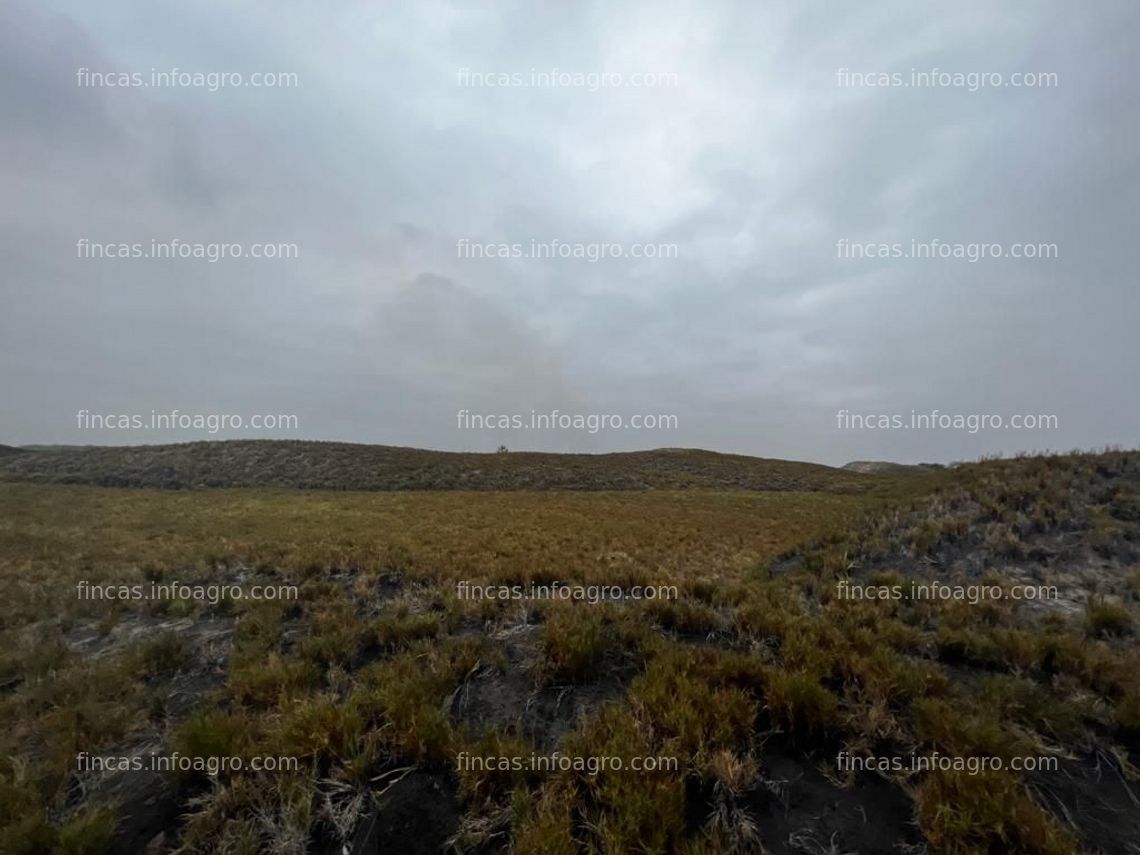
(753, 157)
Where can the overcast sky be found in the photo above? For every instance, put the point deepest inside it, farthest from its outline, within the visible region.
(754, 156)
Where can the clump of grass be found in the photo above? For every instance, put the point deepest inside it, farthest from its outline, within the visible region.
(964, 732)
(25, 828)
(630, 811)
(258, 628)
(162, 655)
(639, 815)
(33, 659)
(404, 697)
(394, 632)
(211, 733)
(760, 618)
(971, 647)
(689, 700)
(250, 814)
(963, 814)
(266, 684)
(544, 820)
(319, 729)
(712, 592)
(485, 783)
(731, 824)
(1106, 618)
(89, 832)
(1126, 713)
(1104, 532)
(684, 616)
(1002, 539)
(574, 643)
(1022, 701)
(336, 636)
(799, 703)
(1132, 584)
(687, 706)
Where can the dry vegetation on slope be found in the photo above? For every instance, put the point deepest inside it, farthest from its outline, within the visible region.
(346, 466)
(755, 678)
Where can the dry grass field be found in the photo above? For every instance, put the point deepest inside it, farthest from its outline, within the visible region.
(393, 696)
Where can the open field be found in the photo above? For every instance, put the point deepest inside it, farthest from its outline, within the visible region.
(764, 680)
(781, 353)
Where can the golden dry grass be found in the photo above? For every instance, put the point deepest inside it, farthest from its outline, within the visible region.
(368, 673)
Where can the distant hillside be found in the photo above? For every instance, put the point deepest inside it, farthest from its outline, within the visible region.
(885, 467)
(335, 465)
(6, 450)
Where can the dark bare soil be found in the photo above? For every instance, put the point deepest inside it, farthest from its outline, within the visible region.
(807, 813)
(511, 700)
(417, 816)
(1096, 800)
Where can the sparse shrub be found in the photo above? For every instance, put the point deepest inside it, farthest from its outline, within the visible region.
(43, 657)
(1125, 504)
(1104, 532)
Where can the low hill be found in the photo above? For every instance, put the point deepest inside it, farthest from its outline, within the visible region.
(348, 466)
(886, 467)
(6, 450)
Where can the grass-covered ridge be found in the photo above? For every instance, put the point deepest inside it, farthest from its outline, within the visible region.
(349, 466)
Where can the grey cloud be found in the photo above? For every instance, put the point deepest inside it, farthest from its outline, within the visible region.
(755, 165)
